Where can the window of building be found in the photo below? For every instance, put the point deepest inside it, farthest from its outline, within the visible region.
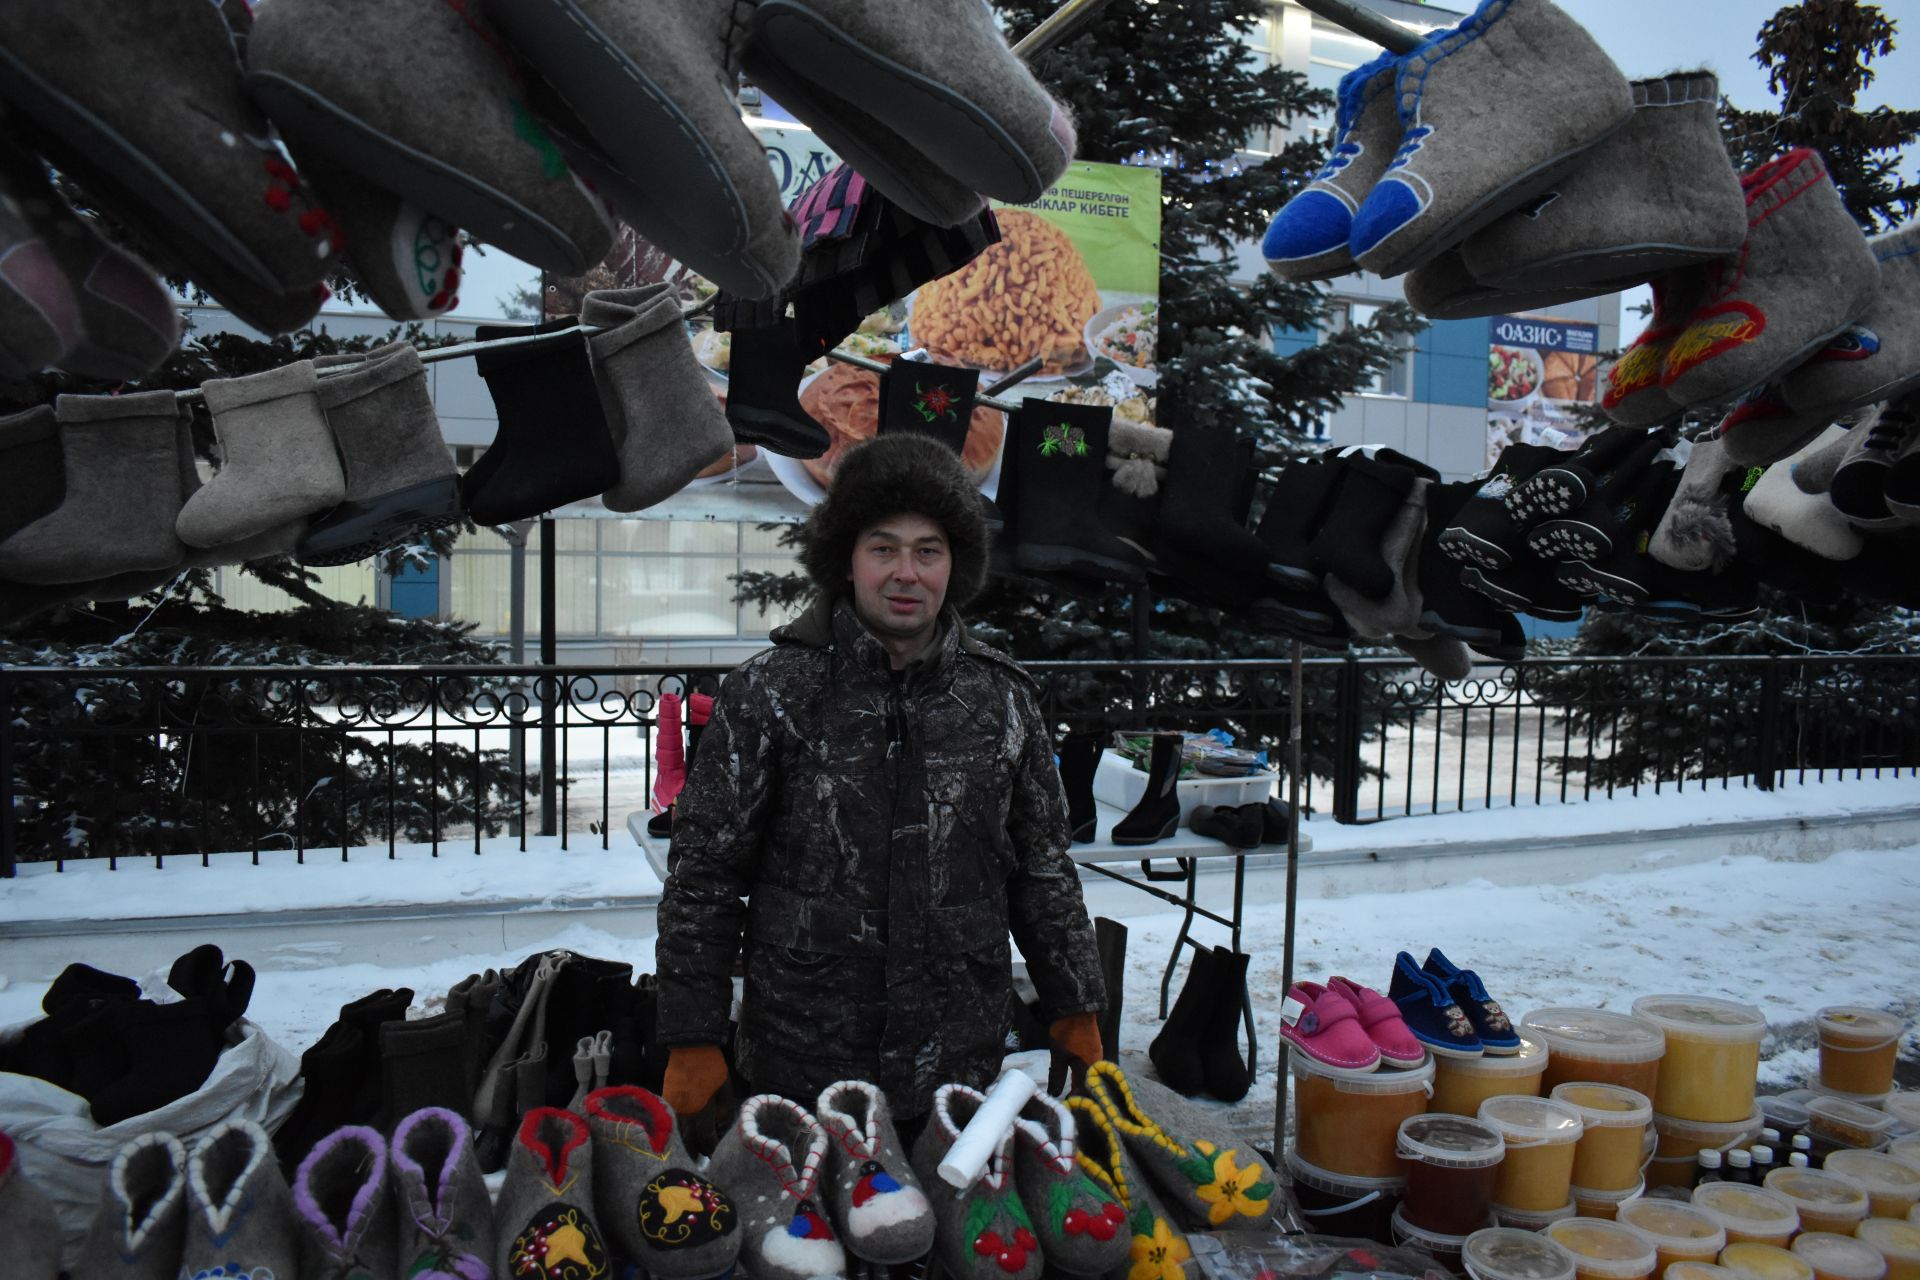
(356, 583)
(1397, 378)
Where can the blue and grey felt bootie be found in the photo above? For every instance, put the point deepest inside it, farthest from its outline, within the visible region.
(1490, 1021)
(1434, 1016)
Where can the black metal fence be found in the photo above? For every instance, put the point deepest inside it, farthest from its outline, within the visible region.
(169, 763)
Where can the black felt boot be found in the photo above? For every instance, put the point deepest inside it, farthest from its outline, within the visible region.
(423, 1064)
(764, 369)
(1295, 509)
(1175, 1051)
(588, 995)
(1060, 454)
(333, 1068)
(1110, 941)
(1616, 514)
(1371, 492)
(1079, 759)
(1228, 1074)
(934, 399)
(171, 1050)
(369, 1014)
(1205, 501)
(554, 446)
(33, 477)
(1157, 816)
(1574, 479)
(1481, 531)
(1448, 606)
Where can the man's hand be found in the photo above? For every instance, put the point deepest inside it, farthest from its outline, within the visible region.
(694, 1085)
(1076, 1046)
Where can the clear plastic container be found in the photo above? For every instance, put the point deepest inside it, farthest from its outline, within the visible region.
(1542, 1138)
(1615, 1141)
(1334, 1204)
(1504, 1253)
(1837, 1257)
(1851, 1124)
(1605, 1204)
(1893, 1188)
(1765, 1262)
(1858, 1048)
(1906, 1150)
(1826, 1201)
(1347, 1123)
(1750, 1215)
(1905, 1110)
(1699, 1271)
(1681, 1141)
(1897, 1242)
(1878, 1101)
(1460, 1085)
(1680, 1232)
(1443, 1248)
(1788, 1115)
(1605, 1250)
(1531, 1219)
(1451, 1164)
(1598, 1045)
(1712, 1057)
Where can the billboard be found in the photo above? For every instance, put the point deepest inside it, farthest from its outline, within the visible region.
(1542, 378)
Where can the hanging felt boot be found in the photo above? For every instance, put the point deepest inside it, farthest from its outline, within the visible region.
(39, 314)
(935, 399)
(1229, 1073)
(32, 476)
(1157, 815)
(1902, 485)
(1200, 512)
(400, 480)
(405, 258)
(553, 445)
(1136, 473)
(655, 1209)
(877, 1203)
(1809, 521)
(1619, 508)
(1695, 533)
(1784, 564)
(33, 1235)
(278, 460)
(240, 1217)
(1448, 607)
(1307, 239)
(1512, 59)
(1060, 453)
(346, 1211)
(1209, 1179)
(772, 1162)
(1858, 489)
(545, 1211)
(1574, 480)
(1152, 1238)
(1175, 1051)
(1878, 357)
(1081, 1226)
(764, 367)
(445, 1218)
(122, 494)
(1295, 510)
(1805, 274)
(666, 425)
(1631, 394)
(1079, 760)
(422, 1064)
(984, 1232)
(1398, 610)
(142, 1224)
(1373, 485)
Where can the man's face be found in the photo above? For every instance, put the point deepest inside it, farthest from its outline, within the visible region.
(899, 575)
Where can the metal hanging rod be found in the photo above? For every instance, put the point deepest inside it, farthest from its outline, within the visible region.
(1060, 26)
(1366, 23)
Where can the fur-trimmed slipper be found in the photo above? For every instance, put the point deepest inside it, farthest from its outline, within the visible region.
(1695, 533)
(773, 1163)
(1631, 394)
(1878, 357)
(1307, 239)
(883, 1214)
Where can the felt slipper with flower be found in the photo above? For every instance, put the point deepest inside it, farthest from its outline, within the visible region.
(1323, 1024)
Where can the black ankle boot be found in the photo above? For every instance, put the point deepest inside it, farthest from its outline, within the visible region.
(1236, 826)
(764, 371)
(1176, 1050)
(1059, 453)
(1110, 941)
(1079, 759)
(1228, 1075)
(1157, 816)
(553, 446)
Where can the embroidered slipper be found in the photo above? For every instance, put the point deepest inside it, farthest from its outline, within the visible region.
(446, 1217)
(1878, 357)
(1323, 1024)
(883, 1214)
(983, 1231)
(1153, 1242)
(1380, 1017)
(1517, 60)
(141, 1226)
(1211, 1180)
(772, 1162)
(1631, 394)
(661, 1214)
(240, 1216)
(545, 1210)
(1080, 1222)
(1307, 239)
(346, 1214)
(1490, 1022)
(1431, 1013)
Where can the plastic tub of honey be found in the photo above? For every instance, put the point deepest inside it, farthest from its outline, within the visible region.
(1451, 1162)
(1700, 1271)
(1597, 1045)
(1906, 1150)
(1605, 1250)
(1750, 1215)
(1680, 1232)
(1531, 1219)
(1892, 1188)
(1837, 1257)
(1334, 1204)
(1604, 1204)
(1897, 1242)
(1905, 1110)
(1504, 1253)
(1541, 1137)
(1851, 1124)
(1826, 1201)
(1765, 1262)
(1679, 1141)
(1443, 1248)
(1712, 1057)
(1857, 1048)
(1460, 1085)
(1347, 1123)
(1614, 1142)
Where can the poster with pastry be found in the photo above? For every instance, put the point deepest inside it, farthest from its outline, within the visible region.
(1543, 376)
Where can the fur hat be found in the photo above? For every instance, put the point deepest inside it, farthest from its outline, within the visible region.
(899, 473)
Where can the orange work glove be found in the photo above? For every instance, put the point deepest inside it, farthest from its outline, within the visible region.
(695, 1073)
(1076, 1046)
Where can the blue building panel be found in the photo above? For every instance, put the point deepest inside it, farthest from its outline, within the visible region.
(415, 591)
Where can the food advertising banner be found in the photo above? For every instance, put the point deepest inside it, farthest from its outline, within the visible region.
(1541, 374)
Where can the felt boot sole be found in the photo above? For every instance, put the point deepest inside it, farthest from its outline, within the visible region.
(355, 530)
(1568, 540)
(1512, 600)
(1547, 493)
(775, 432)
(1469, 547)
(1591, 581)
(1045, 558)
(1293, 576)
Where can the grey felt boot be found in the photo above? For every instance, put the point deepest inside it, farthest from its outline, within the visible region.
(772, 1164)
(1804, 275)
(445, 1217)
(280, 540)
(545, 1209)
(32, 479)
(1761, 428)
(1630, 393)
(1878, 357)
(1209, 1179)
(1808, 520)
(400, 478)
(143, 105)
(1080, 1223)
(1307, 239)
(421, 100)
(39, 315)
(239, 1212)
(982, 1231)
(1443, 289)
(656, 1210)
(1695, 533)
(121, 463)
(1523, 61)
(1398, 612)
(876, 1200)
(142, 1223)
(666, 425)
(346, 1211)
(1658, 195)
(406, 258)
(33, 1233)
(1148, 1229)
(1858, 488)
(278, 461)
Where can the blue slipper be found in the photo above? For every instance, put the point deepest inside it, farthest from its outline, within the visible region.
(1489, 1020)
(1433, 1016)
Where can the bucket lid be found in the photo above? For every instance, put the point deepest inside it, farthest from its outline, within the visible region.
(1827, 1194)
(1676, 1221)
(1598, 1035)
(1605, 1248)
(1904, 1107)
(1753, 1210)
(1531, 1060)
(1592, 1195)
(1416, 1080)
(1505, 1253)
(1703, 1018)
(1784, 1111)
(1450, 1141)
(1853, 1115)
(1906, 1150)
(1877, 1101)
(1688, 1270)
(1606, 1106)
(1531, 1122)
(1859, 1023)
(1840, 1257)
(1432, 1241)
(1877, 1173)
(1337, 1183)
(1720, 1135)
(1765, 1261)
(1892, 1237)
(1532, 1219)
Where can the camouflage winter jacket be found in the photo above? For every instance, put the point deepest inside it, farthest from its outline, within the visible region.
(887, 830)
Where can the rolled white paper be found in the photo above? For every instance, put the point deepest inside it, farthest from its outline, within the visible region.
(967, 1158)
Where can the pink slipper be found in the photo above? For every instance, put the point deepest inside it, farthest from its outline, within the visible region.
(1384, 1025)
(1324, 1025)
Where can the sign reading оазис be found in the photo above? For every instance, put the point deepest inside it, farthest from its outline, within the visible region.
(1546, 335)
(1540, 374)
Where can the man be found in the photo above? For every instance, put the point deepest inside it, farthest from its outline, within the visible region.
(880, 788)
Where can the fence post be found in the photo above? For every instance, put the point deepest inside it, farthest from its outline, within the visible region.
(549, 740)
(1346, 743)
(1767, 749)
(6, 777)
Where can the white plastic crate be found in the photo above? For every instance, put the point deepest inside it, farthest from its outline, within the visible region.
(1118, 783)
